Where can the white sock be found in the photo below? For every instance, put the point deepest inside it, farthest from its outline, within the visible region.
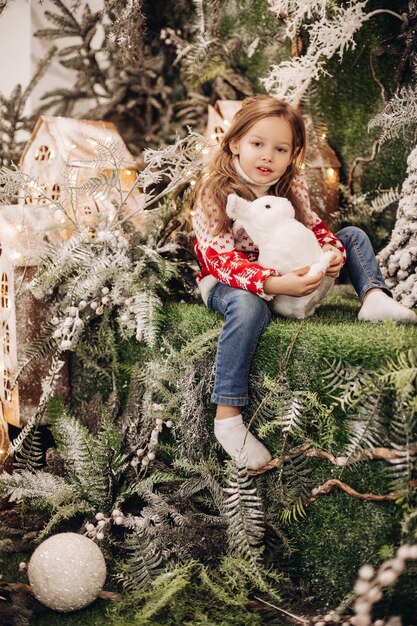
(378, 307)
(231, 432)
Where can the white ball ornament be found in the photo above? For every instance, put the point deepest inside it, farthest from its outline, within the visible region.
(67, 572)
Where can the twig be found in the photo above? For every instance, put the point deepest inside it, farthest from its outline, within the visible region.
(298, 619)
(329, 485)
(385, 454)
(375, 148)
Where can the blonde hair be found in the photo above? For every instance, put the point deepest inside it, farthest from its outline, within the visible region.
(222, 176)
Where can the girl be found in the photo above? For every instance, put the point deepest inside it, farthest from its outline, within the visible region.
(261, 154)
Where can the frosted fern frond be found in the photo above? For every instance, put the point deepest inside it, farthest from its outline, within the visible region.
(385, 199)
(29, 456)
(243, 509)
(59, 262)
(107, 155)
(143, 564)
(86, 456)
(403, 438)
(366, 427)
(48, 387)
(40, 487)
(296, 474)
(342, 380)
(145, 306)
(98, 187)
(293, 414)
(398, 115)
(42, 346)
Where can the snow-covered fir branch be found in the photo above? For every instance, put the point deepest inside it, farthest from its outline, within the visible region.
(329, 35)
(294, 12)
(398, 260)
(399, 114)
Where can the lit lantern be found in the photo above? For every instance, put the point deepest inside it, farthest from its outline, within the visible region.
(4, 437)
(322, 172)
(56, 141)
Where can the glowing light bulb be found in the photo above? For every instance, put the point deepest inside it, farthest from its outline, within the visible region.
(213, 136)
(205, 151)
(331, 175)
(192, 183)
(226, 122)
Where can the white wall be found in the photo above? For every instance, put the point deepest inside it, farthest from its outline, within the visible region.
(15, 45)
(20, 51)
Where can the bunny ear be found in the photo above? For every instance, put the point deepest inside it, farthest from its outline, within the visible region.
(232, 202)
(232, 206)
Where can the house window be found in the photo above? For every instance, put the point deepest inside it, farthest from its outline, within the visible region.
(37, 197)
(219, 132)
(87, 210)
(43, 153)
(56, 192)
(4, 291)
(7, 382)
(6, 338)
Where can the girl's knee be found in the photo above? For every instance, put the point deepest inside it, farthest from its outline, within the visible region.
(352, 232)
(250, 307)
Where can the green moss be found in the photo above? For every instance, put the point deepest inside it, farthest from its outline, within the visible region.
(338, 535)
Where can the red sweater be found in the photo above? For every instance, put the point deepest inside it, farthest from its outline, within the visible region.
(231, 257)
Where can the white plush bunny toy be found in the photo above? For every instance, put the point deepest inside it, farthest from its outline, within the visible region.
(285, 245)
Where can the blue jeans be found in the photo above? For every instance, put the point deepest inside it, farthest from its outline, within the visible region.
(361, 264)
(247, 316)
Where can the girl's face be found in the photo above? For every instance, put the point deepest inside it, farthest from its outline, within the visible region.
(265, 150)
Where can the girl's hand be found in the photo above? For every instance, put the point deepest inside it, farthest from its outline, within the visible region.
(337, 262)
(294, 283)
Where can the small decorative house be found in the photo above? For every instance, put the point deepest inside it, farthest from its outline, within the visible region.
(219, 118)
(9, 399)
(56, 141)
(22, 231)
